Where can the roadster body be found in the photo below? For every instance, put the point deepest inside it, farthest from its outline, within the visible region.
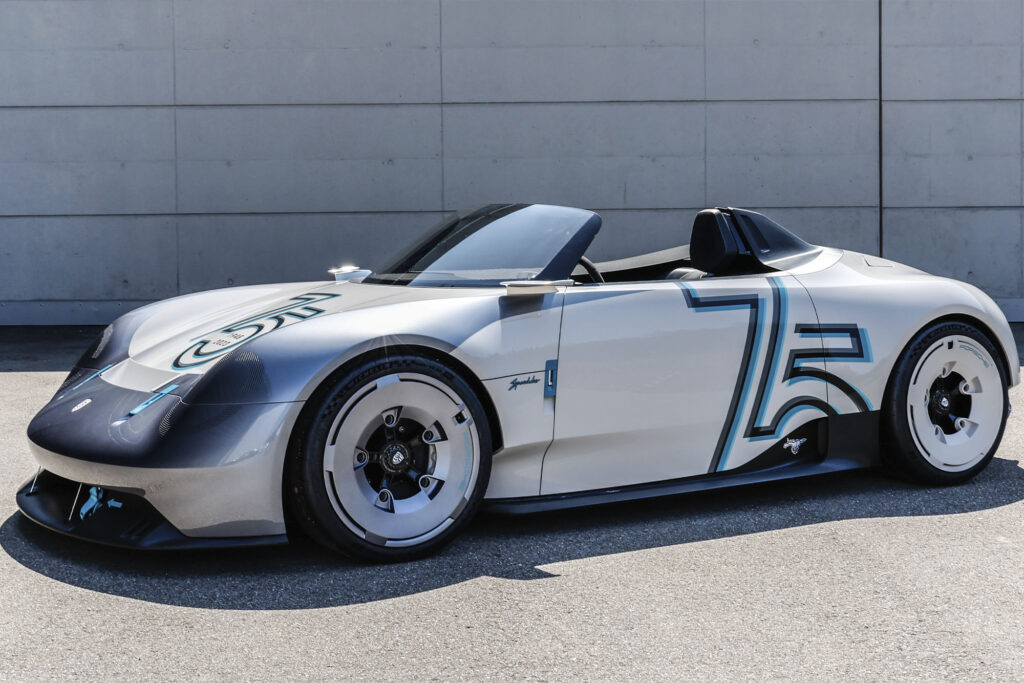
(494, 365)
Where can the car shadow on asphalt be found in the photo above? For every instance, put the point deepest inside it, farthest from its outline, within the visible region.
(302, 576)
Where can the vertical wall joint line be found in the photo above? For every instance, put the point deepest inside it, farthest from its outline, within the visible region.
(881, 137)
(705, 17)
(440, 84)
(174, 113)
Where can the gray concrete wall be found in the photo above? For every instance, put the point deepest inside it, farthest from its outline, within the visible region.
(154, 148)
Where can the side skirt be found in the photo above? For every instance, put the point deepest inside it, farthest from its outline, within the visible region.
(836, 444)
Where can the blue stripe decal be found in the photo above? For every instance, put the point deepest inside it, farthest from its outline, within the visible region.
(808, 378)
(778, 324)
(775, 332)
(723, 463)
(754, 303)
(859, 351)
(756, 429)
(91, 377)
(151, 400)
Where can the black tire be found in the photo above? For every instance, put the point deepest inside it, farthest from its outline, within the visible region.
(903, 451)
(308, 501)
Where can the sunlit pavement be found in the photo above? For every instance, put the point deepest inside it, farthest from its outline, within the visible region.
(848, 575)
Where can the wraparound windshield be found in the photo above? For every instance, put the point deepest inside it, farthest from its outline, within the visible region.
(495, 244)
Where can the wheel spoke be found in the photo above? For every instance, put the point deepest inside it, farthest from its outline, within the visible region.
(390, 419)
(430, 485)
(385, 500)
(390, 416)
(963, 423)
(967, 388)
(433, 434)
(462, 416)
(360, 459)
(947, 368)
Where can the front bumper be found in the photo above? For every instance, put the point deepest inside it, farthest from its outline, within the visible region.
(237, 493)
(115, 518)
(208, 470)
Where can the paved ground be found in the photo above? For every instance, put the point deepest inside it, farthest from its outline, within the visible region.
(848, 575)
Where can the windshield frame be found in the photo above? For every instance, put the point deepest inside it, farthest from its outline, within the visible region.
(559, 264)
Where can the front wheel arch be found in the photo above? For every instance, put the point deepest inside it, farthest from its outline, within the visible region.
(427, 352)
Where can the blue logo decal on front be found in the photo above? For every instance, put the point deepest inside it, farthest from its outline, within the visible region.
(97, 500)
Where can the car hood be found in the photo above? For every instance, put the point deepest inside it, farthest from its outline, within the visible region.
(189, 334)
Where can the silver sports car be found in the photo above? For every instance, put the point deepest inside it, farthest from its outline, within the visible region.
(494, 364)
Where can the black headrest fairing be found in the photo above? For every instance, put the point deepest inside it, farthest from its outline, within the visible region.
(713, 245)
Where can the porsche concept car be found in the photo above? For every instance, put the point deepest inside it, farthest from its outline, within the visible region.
(495, 365)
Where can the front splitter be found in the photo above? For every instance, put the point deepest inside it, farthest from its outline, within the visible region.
(114, 518)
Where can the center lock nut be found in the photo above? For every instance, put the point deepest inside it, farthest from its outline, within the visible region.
(396, 458)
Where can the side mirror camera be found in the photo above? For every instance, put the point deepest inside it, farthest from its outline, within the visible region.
(349, 273)
(534, 287)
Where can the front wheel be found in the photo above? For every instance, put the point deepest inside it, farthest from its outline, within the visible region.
(946, 405)
(392, 460)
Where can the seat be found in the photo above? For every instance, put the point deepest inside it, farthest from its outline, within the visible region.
(685, 274)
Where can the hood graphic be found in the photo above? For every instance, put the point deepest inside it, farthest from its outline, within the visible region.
(190, 333)
(218, 342)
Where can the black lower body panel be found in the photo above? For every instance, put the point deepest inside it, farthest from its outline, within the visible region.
(114, 518)
(834, 444)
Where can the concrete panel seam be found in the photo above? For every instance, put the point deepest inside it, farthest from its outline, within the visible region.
(881, 142)
(473, 103)
(174, 100)
(440, 78)
(704, 10)
(371, 212)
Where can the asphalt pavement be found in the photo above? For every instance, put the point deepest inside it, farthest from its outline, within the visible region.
(850, 575)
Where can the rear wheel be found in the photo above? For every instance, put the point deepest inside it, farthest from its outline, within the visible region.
(946, 405)
(392, 461)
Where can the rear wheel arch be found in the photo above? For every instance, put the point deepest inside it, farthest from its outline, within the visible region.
(984, 329)
(952, 318)
(903, 451)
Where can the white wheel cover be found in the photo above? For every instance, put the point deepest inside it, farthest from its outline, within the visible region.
(455, 460)
(975, 432)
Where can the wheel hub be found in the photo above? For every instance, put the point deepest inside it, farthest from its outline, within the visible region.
(941, 401)
(947, 402)
(396, 458)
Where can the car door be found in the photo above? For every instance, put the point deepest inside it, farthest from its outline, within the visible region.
(663, 380)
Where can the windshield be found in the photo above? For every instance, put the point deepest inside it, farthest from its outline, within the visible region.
(495, 244)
